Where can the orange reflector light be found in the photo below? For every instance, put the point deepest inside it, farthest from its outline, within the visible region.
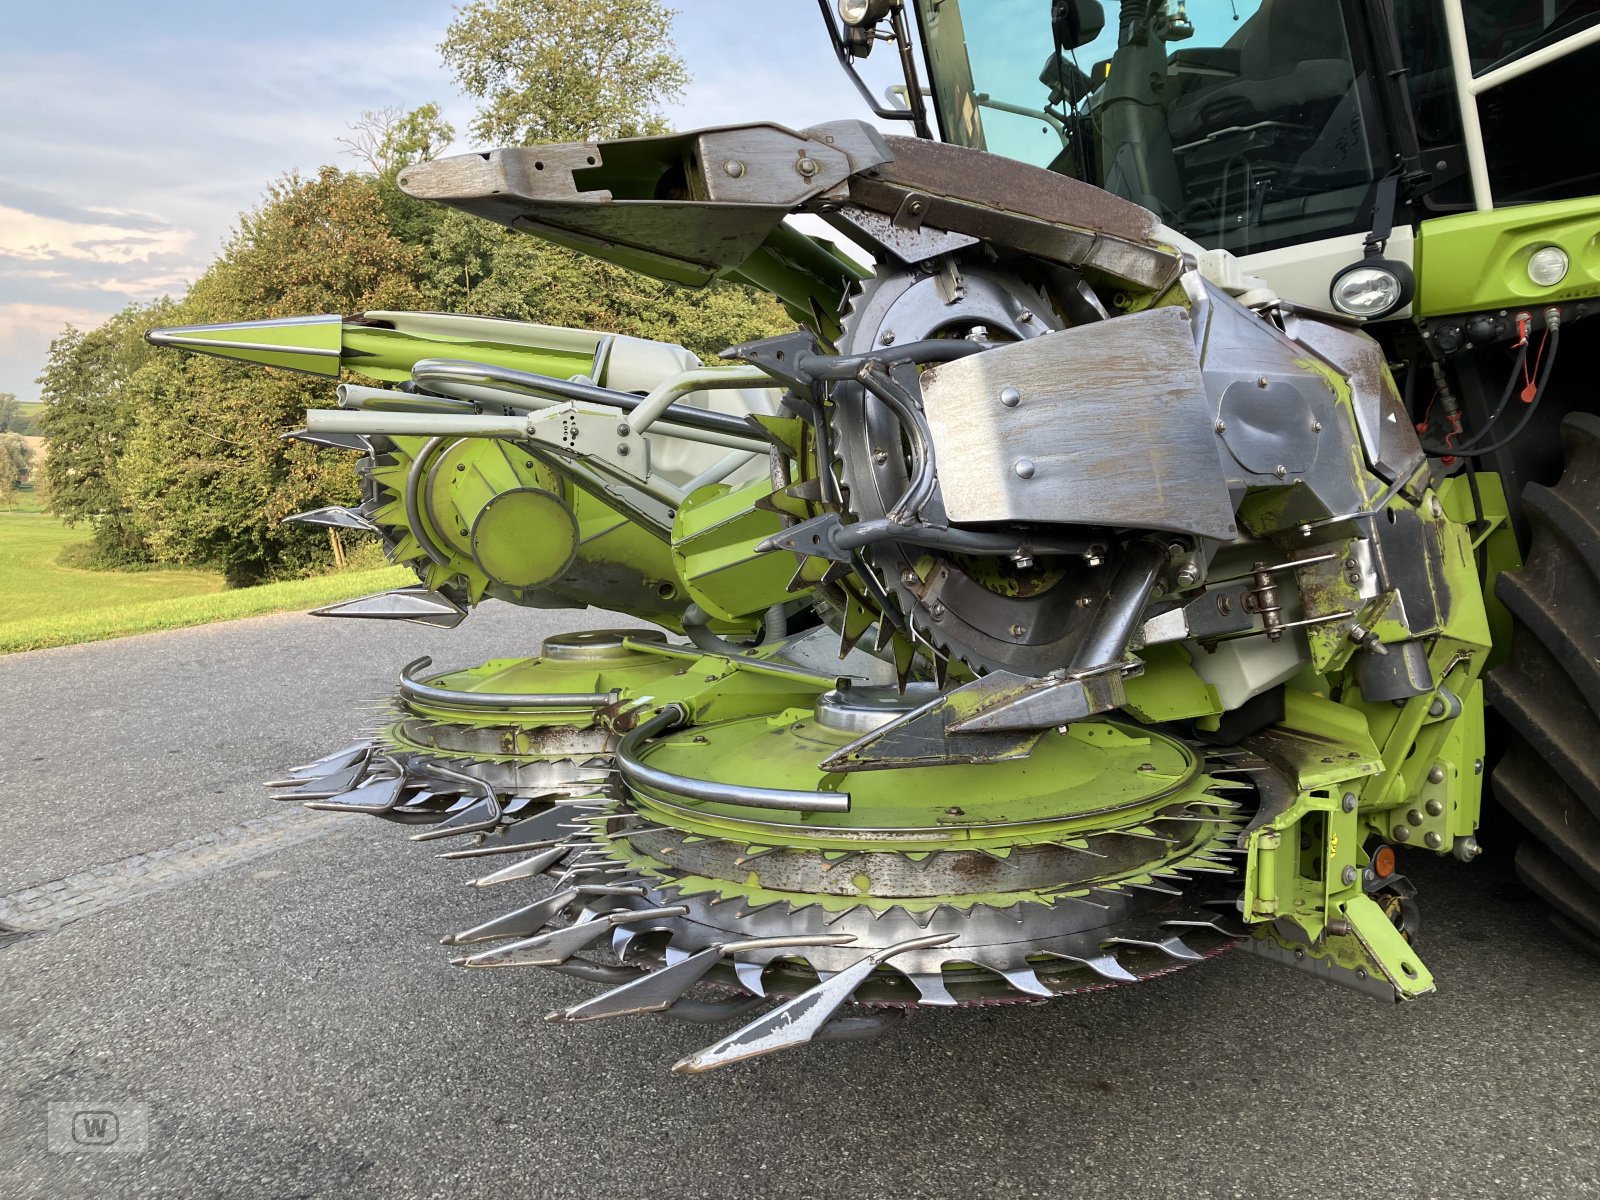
(1383, 862)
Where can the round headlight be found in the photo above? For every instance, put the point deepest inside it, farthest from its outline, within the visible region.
(856, 12)
(1547, 266)
(1367, 291)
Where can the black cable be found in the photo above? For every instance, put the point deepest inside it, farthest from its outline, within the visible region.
(1533, 405)
(1499, 410)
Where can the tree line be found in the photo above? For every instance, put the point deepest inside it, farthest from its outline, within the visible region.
(178, 459)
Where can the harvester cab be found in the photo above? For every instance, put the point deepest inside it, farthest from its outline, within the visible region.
(1312, 139)
(1114, 572)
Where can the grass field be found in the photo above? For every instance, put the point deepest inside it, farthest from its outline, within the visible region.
(43, 603)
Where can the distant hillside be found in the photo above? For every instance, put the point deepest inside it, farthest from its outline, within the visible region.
(27, 421)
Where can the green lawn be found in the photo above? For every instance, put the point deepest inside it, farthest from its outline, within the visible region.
(43, 603)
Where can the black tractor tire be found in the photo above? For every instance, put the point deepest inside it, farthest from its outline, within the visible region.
(1548, 690)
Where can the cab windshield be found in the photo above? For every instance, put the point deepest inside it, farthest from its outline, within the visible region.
(1242, 123)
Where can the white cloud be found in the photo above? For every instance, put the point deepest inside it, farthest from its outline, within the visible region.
(37, 238)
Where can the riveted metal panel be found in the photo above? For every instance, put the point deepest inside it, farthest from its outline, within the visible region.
(1102, 424)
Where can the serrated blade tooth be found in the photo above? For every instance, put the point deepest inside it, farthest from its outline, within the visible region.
(621, 940)
(883, 636)
(654, 992)
(797, 1021)
(749, 976)
(931, 990)
(519, 923)
(1172, 946)
(1026, 981)
(1106, 966)
(1159, 889)
(526, 869)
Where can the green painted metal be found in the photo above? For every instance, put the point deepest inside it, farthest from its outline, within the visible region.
(1479, 260)
(371, 346)
(1092, 775)
(1478, 501)
(714, 538)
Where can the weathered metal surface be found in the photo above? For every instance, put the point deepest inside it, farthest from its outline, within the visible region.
(1103, 424)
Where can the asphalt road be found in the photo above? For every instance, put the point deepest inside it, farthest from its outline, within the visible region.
(270, 989)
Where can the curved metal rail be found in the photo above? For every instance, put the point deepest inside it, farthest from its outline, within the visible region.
(412, 689)
(637, 773)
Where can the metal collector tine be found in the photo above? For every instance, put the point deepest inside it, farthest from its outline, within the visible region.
(372, 798)
(526, 869)
(526, 834)
(555, 947)
(797, 1021)
(324, 787)
(517, 924)
(658, 990)
(325, 764)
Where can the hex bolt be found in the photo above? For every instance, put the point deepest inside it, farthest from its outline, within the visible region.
(808, 168)
(1022, 562)
(937, 610)
(880, 456)
(1084, 602)
(1261, 381)
(910, 578)
(1414, 817)
(1025, 316)
(1349, 802)
(1434, 840)
(1224, 603)
(1348, 875)
(1436, 775)
(733, 168)
(1023, 467)
(1477, 766)
(887, 338)
(1280, 470)
(1221, 427)
(1018, 630)
(1188, 574)
(1010, 397)
(1400, 833)
(1434, 808)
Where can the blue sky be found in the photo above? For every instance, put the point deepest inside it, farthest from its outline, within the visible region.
(134, 133)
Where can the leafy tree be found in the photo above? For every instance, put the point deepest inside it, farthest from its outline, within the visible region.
(207, 474)
(388, 140)
(16, 457)
(87, 416)
(568, 70)
(476, 266)
(10, 413)
(564, 70)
